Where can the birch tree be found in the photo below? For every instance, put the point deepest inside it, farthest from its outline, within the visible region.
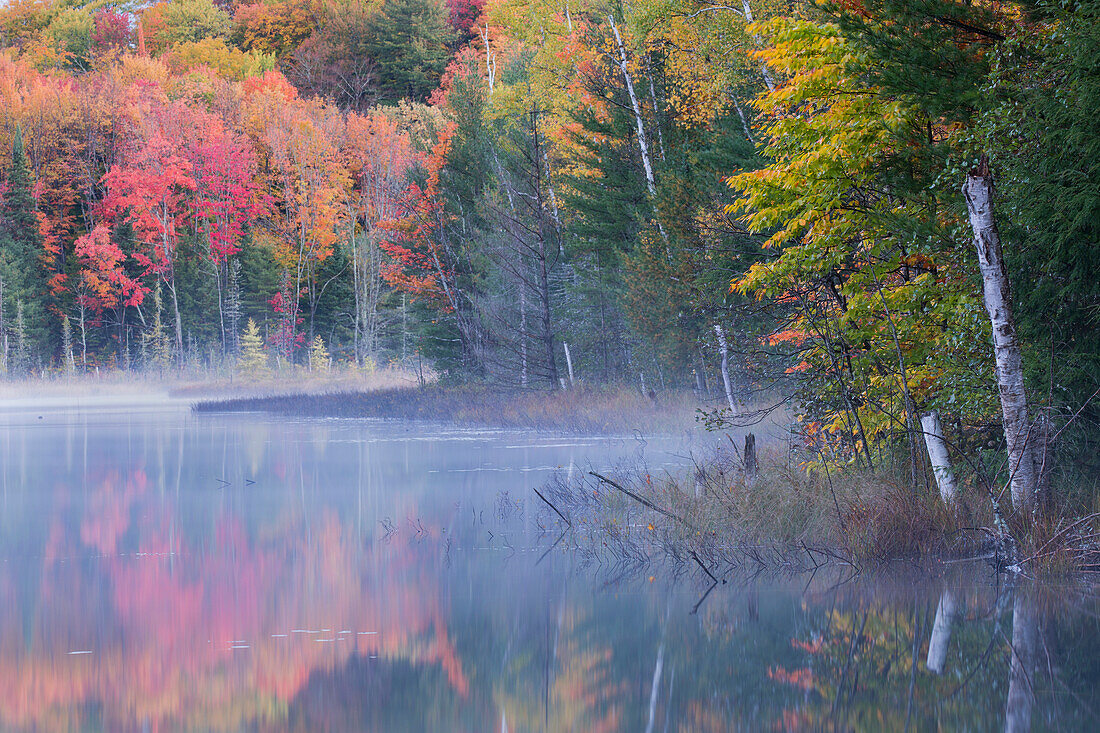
(1006, 344)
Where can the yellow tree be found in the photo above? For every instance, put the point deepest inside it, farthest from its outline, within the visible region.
(879, 318)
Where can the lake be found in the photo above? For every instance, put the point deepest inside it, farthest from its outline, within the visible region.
(166, 571)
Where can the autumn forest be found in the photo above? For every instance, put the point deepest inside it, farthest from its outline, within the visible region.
(885, 211)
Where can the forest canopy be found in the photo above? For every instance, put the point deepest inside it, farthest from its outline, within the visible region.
(533, 194)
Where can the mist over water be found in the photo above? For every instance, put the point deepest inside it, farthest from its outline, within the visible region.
(161, 570)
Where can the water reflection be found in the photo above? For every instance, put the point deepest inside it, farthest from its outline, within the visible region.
(163, 572)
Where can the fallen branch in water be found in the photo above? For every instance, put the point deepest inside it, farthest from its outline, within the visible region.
(644, 501)
(549, 504)
(704, 567)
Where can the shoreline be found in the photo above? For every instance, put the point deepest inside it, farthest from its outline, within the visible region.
(582, 410)
(718, 518)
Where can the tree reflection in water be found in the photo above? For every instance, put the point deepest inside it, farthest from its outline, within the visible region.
(148, 584)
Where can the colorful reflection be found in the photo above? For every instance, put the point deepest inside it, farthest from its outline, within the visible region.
(162, 572)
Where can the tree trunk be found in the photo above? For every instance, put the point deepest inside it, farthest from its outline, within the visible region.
(724, 349)
(217, 269)
(1025, 633)
(769, 80)
(941, 632)
(523, 334)
(83, 339)
(179, 321)
(656, 112)
(938, 457)
(547, 329)
(750, 460)
(643, 145)
(1006, 345)
(744, 121)
(568, 362)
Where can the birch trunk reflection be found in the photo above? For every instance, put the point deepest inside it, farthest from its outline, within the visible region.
(941, 632)
(1025, 634)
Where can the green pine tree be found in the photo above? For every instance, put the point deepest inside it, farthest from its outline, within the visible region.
(157, 341)
(408, 39)
(68, 361)
(21, 253)
(21, 354)
(233, 308)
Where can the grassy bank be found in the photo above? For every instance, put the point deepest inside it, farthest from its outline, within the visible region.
(191, 384)
(719, 516)
(580, 410)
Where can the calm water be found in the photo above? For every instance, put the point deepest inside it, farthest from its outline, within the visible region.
(166, 571)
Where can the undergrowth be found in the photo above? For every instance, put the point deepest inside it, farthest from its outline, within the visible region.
(717, 515)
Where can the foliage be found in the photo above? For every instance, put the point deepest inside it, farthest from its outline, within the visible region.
(408, 41)
(319, 359)
(166, 24)
(253, 359)
(509, 189)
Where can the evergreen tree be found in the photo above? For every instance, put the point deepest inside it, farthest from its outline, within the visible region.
(233, 308)
(21, 250)
(68, 361)
(157, 341)
(408, 40)
(21, 355)
(1045, 134)
(253, 361)
(318, 355)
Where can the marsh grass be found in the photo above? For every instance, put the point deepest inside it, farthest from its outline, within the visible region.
(715, 515)
(195, 383)
(293, 381)
(1058, 545)
(584, 410)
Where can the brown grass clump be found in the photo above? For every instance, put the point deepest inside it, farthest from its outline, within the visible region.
(1057, 545)
(720, 514)
(894, 522)
(580, 410)
(294, 381)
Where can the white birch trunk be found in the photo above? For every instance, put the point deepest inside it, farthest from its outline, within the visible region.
(568, 363)
(1006, 345)
(724, 350)
(744, 122)
(941, 632)
(769, 80)
(490, 59)
(643, 145)
(938, 457)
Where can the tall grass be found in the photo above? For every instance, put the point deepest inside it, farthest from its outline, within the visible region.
(716, 511)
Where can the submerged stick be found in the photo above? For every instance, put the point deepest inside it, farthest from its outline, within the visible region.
(549, 504)
(643, 500)
(704, 567)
